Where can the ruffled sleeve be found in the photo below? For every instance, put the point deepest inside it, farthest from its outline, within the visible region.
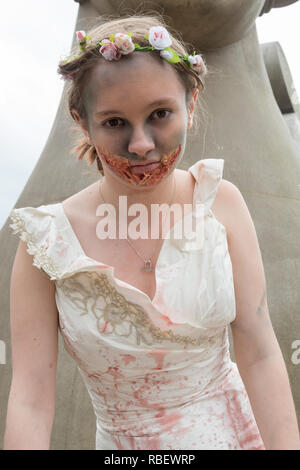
(208, 174)
(37, 228)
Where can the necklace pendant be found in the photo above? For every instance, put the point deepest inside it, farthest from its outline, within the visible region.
(147, 266)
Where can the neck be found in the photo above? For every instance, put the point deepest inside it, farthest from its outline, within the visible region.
(159, 193)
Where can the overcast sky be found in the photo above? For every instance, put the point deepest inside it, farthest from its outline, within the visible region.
(35, 35)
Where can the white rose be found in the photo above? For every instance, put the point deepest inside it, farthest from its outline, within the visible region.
(159, 37)
(166, 55)
(192, 60)
(124, 43)
(198, 61)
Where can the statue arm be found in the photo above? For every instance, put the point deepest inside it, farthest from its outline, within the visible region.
(257, 352)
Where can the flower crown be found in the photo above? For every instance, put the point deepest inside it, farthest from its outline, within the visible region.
(121, 44)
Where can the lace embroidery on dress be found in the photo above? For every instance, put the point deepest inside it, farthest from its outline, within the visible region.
(41, 258)
(115, 314)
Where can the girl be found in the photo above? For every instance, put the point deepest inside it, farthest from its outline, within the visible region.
(145, 318)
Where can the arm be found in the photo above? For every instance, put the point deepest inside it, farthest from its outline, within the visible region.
(34, 335)
(257, 352)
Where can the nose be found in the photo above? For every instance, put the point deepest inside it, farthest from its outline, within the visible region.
(140, 142)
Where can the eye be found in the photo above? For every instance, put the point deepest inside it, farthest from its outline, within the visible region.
(113, 122)
(162, 113)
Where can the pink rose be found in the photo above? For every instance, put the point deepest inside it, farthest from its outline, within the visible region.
(80, 35)
(109, 50)
(159, 37)
(124, 43)
(198, 62)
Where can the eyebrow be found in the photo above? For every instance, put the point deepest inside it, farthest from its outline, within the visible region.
(151, 105)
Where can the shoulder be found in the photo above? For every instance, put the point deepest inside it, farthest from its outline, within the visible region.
(37, 228)
(227, 192)
(230, 207)
(79, 204)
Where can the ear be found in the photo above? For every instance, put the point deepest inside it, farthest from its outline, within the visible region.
(82, 124)
(192, 107)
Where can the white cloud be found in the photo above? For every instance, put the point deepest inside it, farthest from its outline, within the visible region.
(282, 25)
(34, 37)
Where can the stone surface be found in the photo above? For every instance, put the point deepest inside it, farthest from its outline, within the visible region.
(245, 101)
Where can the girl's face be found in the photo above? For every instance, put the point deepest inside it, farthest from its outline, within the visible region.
(137, 114)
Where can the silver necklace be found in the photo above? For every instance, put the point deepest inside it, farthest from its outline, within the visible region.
(147, 262)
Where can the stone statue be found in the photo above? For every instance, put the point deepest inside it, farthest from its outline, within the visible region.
(246, 125)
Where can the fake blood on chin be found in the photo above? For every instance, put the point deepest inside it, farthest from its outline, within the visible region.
(141, 174)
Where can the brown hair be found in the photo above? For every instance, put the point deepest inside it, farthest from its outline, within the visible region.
(78, 67)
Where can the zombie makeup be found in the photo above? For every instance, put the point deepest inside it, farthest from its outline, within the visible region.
(147, 175)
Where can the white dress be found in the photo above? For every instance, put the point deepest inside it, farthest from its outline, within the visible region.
(158, 372)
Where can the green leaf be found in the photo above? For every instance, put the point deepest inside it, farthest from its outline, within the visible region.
(146, 36)
(112, 37)
(130, 34)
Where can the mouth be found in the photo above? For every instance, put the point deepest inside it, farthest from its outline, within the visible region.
(148, 174)
(154, 171)
(139, 169)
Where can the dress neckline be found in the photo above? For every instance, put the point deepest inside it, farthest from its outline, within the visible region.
(112, 268)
